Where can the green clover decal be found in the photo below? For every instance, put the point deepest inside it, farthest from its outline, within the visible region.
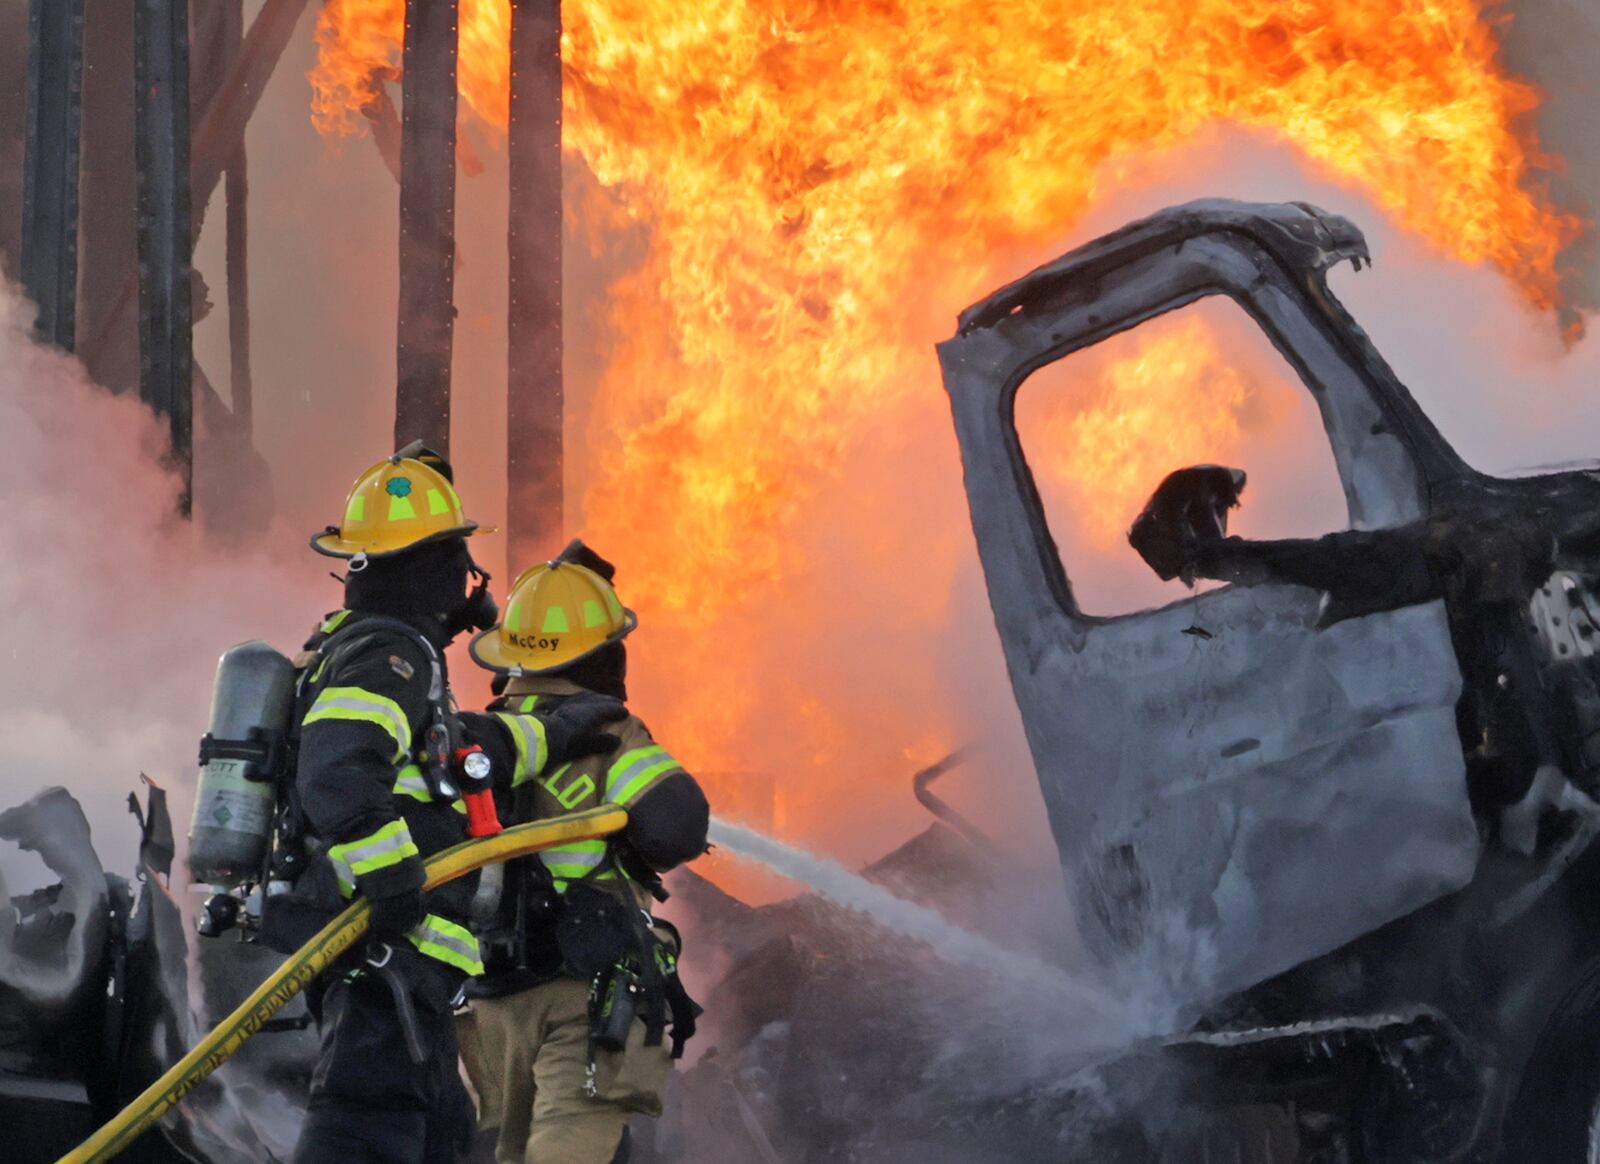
(398, 487)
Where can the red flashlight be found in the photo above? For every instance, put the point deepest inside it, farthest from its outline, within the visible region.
(477, 791)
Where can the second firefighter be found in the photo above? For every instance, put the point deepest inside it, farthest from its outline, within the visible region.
(580, 1013)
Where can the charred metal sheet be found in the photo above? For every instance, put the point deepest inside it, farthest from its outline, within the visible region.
(922, 788)
(161, 150)
(50, 167)
(1231, 805)
(427, 224)
(534, 408)
(48, 958)
(54, 975)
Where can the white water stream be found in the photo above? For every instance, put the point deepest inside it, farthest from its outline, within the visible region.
(1096, 1017)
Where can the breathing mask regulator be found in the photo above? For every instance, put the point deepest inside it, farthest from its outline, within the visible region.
(429, 582)
(478, 610)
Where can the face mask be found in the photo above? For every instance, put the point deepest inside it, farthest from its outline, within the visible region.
(477, 610)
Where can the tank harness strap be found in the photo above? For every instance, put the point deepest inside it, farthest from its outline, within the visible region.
(440, 732)
(380, 962)
(260, 753)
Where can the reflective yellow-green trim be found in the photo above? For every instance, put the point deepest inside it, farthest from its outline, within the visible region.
(379, 849)
(362, 706)
(571, 793)
(451, 944)
(575, 859)
(533, 750)
(300, 968)
(411, 782)
(561, 883)
(632, 772)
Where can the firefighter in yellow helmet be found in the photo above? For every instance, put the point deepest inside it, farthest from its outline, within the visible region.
(579, 1014)
(374, 795)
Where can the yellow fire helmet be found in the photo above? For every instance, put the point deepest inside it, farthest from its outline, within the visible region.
(399, 503)
(557, 613)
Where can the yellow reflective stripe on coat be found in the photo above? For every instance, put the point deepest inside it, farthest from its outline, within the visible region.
(443, 939)
(574, 860)
(632, 772)
(380, 849)
(411, 782)
(533, 751)
(361, 706)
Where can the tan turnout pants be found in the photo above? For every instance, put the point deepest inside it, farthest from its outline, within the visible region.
(527, 1056)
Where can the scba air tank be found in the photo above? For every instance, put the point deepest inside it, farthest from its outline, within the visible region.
(251, 706)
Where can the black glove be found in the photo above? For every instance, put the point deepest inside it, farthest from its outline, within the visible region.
(571, 727)
(395, 894)
(1187, 512)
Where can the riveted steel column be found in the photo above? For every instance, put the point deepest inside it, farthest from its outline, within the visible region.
(216, 139)
(50, 167)
(427, 224)
(236, 189)
(534, 408)
(161, 154)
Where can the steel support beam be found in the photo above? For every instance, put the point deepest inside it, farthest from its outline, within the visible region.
(534, 403)
(236, 188)
(427, 224)
(161, 153)
(220, 132)
(50, 167)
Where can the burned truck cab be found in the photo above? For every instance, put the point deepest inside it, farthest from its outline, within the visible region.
(1346, 834)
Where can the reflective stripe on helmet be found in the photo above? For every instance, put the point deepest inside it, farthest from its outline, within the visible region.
(632, 772)
(384, 512)
(556, 612)
(362, 706)
(451, 944)
(379, 849)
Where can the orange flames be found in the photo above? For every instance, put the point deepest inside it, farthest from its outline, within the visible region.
(824, 184)
(1178, 401)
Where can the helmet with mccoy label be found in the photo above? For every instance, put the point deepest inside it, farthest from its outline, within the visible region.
(557, 613)
(401, 502)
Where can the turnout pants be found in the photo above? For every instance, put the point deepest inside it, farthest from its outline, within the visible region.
(527, 1055)
(386, 1089)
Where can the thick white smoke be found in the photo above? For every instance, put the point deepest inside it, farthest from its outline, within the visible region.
(115, 609)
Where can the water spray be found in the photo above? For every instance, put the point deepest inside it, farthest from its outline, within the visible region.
(1071, 997)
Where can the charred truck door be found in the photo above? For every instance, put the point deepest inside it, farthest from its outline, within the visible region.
(1225, 807)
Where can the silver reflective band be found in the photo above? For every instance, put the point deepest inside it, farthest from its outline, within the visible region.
(559, 859)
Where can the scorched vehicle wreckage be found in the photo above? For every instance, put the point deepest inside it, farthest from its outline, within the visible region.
(1354, 817)
(1350, 820)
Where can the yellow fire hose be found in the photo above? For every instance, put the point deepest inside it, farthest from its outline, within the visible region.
(312, 959)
